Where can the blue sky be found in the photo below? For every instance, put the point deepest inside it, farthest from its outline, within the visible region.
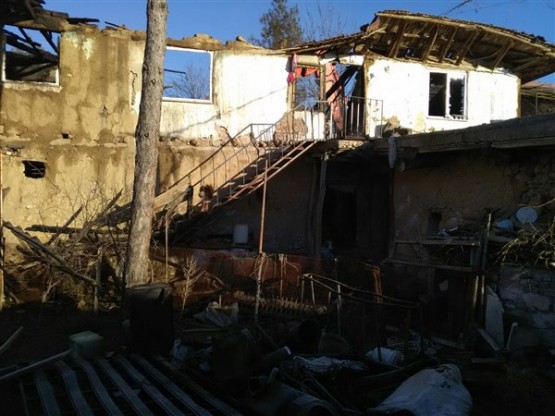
(226, 19)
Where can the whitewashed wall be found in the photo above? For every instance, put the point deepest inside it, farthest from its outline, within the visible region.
(247, 88)
(404, 89)
(252, 89)
(187, 119)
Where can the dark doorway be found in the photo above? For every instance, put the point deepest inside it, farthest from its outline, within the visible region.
(339, 221)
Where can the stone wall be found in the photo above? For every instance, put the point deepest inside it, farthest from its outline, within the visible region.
(528, 297)
(459, 189)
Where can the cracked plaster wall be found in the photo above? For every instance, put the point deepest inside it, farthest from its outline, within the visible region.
(404, 89)
(81, 129)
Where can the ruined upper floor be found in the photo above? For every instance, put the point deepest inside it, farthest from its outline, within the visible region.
(65, 79)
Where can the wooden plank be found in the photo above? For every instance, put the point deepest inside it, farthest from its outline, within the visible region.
(46, 394)
(398, 40)
(450, 242)
(447, 45)
(99, 389)
(76, 397)
(146, 385)
(467, 46)
(169, 385)
(65, 226)
(31, 367)
(430, 44)
(128, 393)
(59, 263)
(433, 266)
(501, 54)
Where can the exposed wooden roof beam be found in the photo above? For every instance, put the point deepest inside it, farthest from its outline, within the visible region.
(398, 39)
(447, 45)
(533, 61)
(467, 46)
(48, 36)
(501, 54)
(456, 24)
(430, 44)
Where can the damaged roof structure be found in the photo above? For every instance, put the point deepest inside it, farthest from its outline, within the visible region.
(330, 219)
(441, 40)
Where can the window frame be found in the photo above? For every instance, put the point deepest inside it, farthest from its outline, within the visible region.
(210, 98)
(3, 51)
(449, 77)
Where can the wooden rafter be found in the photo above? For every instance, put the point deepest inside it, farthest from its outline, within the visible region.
(398, 39)
(440, 40)
(48, 36)
(501, 54)
(430, 44)
(27, 44)
(533, 61)
(447, 45)
(467, 46)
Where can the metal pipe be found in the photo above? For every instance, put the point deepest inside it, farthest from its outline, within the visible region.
(261, 244)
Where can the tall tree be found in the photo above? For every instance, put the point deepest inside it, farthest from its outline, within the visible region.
(146, 136)
(281, 26)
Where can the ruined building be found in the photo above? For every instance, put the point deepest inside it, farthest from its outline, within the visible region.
(349, 132)
(420, 149)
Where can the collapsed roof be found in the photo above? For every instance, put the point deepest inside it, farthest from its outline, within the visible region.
(439, 40)
(32, 14)
(393, 34)
(13, 11)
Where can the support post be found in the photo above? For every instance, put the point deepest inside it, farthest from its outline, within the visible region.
(320, 206)
(261, 245)
(98, 279)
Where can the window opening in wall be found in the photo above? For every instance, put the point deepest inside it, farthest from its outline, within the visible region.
(447, 95)
(307, 86)
(30, 55)
(34, 169)
(187, 74)
(456, 97)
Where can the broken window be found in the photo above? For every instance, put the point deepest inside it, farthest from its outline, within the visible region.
(447, 95)
(307, 86)
(34, 169)
(187, 74)
(30, 55)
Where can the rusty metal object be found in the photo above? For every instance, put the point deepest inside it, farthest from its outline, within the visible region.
(279, 306)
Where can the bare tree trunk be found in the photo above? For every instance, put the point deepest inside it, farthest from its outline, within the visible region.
(146, 136)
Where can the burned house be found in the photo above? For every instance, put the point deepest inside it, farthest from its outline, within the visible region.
(400, 146)
(70, 96)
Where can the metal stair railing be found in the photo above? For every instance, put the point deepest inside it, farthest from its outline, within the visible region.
(279, 144)
(270, 142)
(185, 184)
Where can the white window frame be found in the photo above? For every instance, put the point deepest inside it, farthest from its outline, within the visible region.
(451, 75)
(55, 83)
(210, 83)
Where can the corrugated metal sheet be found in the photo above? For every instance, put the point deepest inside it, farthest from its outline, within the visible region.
(121, 385)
